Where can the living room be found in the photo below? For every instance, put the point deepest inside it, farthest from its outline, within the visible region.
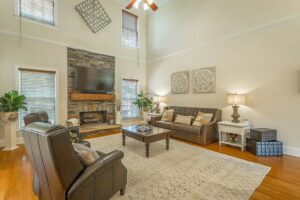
(205, 76)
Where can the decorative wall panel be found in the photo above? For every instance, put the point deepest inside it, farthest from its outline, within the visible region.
(94, 15)
(204, 80)
(180, 82)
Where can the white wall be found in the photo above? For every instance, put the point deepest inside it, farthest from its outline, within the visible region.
(255, 46)
(46, 46)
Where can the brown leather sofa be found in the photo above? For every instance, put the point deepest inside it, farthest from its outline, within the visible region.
(204, 135)
(60, 174)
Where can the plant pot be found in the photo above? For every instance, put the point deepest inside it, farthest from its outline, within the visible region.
(145, 116)
(118, 118)
(8, 121)
(8, 117)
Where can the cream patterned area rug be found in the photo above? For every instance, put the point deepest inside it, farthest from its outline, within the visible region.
(184, 172)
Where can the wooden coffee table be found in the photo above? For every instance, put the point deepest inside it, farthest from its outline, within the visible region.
(156, 134)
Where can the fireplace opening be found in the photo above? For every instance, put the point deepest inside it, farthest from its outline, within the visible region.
(96, 117)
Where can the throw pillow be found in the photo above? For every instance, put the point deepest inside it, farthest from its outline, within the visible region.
(184, 119)
(203, 118)
(86, 155)
(167, 115)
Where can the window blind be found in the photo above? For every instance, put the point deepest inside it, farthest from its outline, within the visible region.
(38, 10)
(129, 95)
(129, 29)
(39, 89)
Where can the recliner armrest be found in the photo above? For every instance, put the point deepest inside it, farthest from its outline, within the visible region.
(91, 171)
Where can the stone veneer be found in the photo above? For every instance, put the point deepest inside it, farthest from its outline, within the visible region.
(78, 57)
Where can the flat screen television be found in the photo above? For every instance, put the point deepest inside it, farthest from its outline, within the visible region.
(92, 80)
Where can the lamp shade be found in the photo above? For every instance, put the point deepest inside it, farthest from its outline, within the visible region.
(236, 99)
(156, 99)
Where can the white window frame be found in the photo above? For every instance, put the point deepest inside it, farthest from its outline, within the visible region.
(55, 25)
(138, 31)
(18, 86)
(138, 91)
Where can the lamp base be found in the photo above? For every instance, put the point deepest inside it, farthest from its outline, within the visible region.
(157, 109)
(235, 115)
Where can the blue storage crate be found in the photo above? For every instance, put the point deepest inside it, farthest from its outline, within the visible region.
(271, 148)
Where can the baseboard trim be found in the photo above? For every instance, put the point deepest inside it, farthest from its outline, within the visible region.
(19, 141)
(292, 151)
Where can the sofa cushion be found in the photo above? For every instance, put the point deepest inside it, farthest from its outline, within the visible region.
(184, 119)
(202, 118)
(164, 124)
(187, 128)
(167, 115)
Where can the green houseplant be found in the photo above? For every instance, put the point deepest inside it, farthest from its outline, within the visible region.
(143, 102)
(10, 104)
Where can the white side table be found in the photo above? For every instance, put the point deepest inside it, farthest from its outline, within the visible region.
(241, 129)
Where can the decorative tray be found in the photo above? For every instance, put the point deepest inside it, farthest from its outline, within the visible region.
(144, 128)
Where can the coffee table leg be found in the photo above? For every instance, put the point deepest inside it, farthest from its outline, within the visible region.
(147, 150)
(167, 143)
(123, 139)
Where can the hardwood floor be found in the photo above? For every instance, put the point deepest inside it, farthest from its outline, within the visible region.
(283, 182)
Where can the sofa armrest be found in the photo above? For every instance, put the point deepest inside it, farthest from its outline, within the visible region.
(210, 131)
(92, 174)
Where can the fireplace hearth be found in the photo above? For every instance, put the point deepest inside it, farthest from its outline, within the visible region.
(95, 117)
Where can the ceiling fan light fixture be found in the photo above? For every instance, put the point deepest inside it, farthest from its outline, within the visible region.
(137, 4)
(150, 2)
(147, 4)
(146, 7)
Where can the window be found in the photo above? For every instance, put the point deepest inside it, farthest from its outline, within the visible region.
(39, 88)
(129, 95)
(129, 29)
(37, 10)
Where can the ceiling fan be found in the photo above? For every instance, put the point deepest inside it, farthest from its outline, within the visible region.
(146, 3)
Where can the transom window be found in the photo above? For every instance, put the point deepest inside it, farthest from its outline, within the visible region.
(129, 29)
(37, 10)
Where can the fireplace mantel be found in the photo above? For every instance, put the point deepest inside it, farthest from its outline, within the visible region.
(92, 97)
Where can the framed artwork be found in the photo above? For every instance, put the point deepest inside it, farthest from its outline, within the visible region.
(204, 80)
(180, 82)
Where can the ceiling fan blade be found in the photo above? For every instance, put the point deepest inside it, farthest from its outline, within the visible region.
(130, 5)
(153, 6)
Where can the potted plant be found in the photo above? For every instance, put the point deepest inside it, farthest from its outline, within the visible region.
(143, 103)
(10, 104)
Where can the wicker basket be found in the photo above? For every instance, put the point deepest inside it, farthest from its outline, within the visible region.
(263, 134)
(271, 148)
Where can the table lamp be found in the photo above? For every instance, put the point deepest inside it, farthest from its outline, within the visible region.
(236, 100)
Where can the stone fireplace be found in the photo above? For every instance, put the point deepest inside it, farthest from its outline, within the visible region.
(96, 117)
(89, 111)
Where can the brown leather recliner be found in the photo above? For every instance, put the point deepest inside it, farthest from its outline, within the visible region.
(59, 173)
